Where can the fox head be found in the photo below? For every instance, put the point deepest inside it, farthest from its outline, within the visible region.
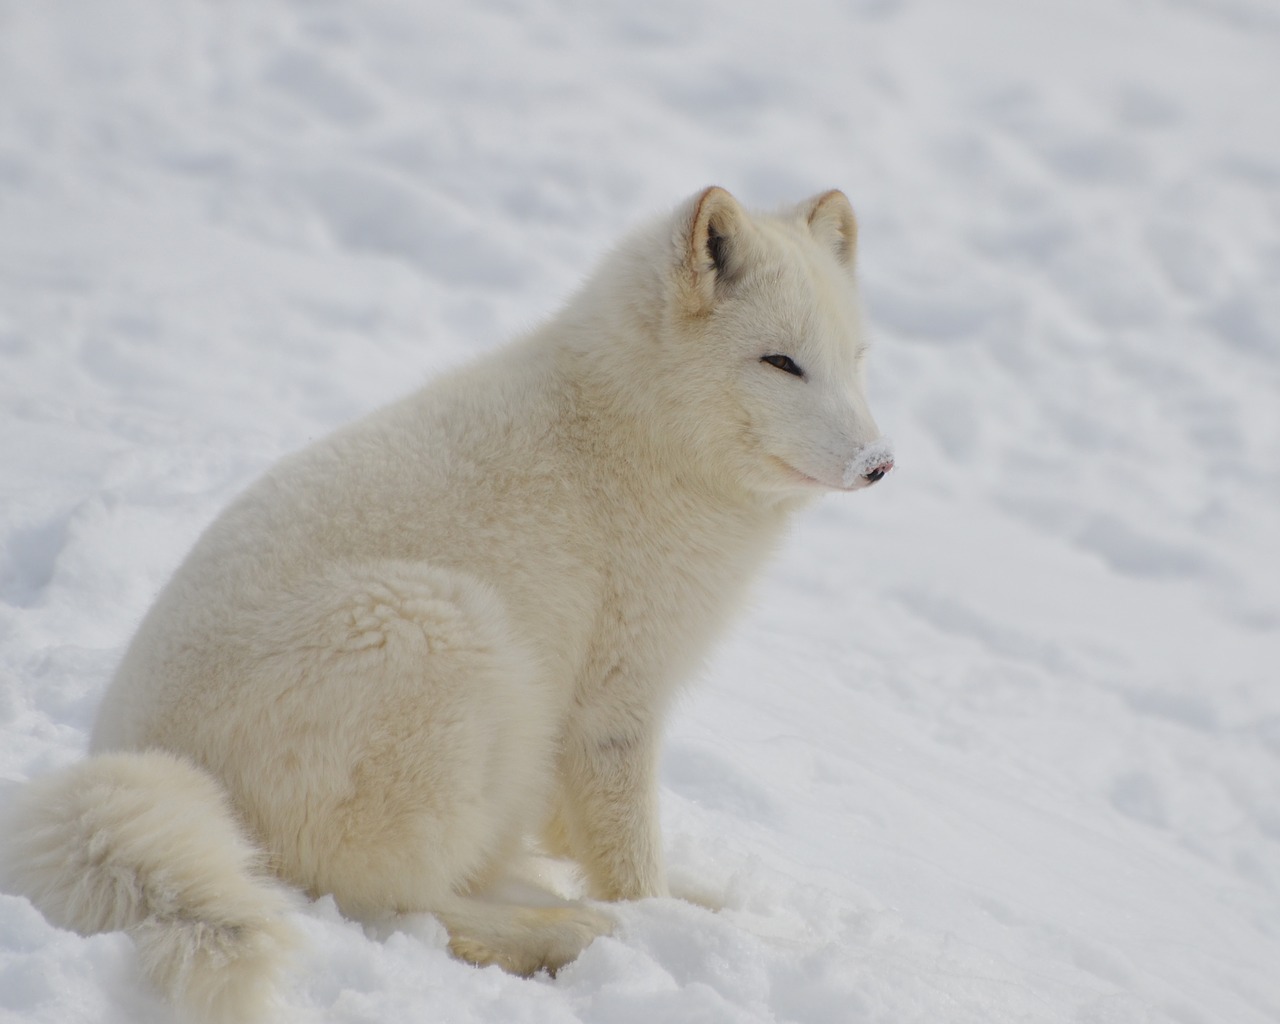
(743, 343)
(774, 301)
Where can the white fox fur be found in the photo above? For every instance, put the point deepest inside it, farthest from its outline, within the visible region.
(459, 622)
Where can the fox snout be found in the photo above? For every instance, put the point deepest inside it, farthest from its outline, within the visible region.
(871, 463)
(878, 472)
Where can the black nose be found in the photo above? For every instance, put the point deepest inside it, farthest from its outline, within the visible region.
(878, 472)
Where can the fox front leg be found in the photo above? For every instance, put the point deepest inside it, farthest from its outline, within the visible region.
(609, 813)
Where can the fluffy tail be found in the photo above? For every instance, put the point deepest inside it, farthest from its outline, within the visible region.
(147, 843)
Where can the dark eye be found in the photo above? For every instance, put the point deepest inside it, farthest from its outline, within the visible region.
(783, 363)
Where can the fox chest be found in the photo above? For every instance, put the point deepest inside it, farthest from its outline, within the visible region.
(660, 613)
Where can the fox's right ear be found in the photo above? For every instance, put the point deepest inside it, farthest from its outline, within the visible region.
(711, 238)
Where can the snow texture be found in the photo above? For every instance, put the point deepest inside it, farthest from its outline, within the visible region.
(999, 740)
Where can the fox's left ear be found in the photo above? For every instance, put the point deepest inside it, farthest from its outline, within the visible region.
(831, 219)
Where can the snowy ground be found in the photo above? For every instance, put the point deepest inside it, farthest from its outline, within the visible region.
(1000, 740)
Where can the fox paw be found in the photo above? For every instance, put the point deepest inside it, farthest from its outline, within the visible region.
(536, 939)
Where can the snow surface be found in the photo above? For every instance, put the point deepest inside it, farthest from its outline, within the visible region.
(1000, 738)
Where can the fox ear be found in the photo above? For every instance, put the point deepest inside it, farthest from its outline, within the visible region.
(831, 219)
(712, 241)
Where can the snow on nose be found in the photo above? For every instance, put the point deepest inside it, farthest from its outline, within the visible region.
(872, 462)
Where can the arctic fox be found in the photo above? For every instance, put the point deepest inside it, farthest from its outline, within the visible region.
(460, 622)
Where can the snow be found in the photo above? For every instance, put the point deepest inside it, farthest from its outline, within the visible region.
(999, 739)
